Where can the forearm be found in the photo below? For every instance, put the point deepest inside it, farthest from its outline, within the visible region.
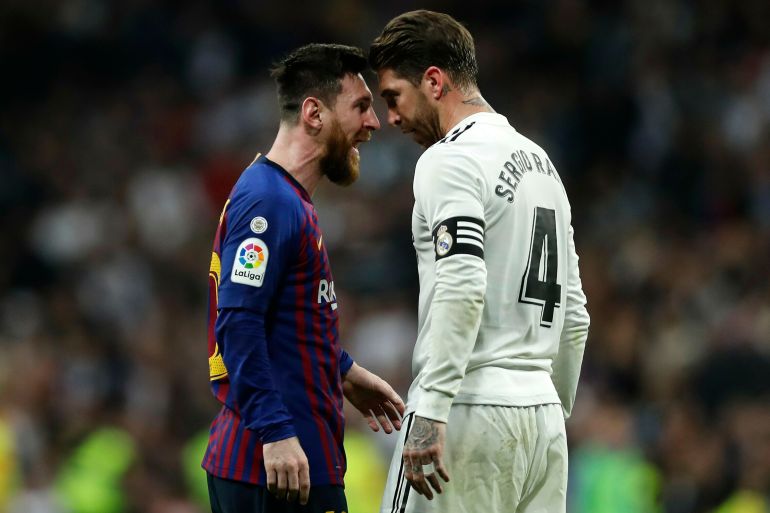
(456, 310)
(566, 367)
(259, 402)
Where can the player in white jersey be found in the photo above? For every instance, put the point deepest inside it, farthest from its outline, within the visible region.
(502, 317)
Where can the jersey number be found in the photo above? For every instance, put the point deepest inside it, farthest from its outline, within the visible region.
(538, 285)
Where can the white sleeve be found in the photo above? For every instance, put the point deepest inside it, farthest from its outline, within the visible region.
(566, 366)
(448, 191)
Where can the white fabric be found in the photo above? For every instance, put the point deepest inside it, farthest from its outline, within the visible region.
(500, 459)
(478, 342)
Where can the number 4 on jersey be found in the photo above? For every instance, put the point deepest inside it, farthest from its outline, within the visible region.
(538, 285)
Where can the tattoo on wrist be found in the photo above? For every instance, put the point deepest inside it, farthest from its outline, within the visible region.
(423, 434)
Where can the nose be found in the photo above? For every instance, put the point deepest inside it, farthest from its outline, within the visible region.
(393, 118)
(372, 122)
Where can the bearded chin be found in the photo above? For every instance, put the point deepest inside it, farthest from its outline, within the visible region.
(429, 119)
(340, 164)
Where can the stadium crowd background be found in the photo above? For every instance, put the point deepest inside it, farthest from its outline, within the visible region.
(123, 126)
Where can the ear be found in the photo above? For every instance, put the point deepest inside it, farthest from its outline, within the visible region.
(435, 81)
(310, 113)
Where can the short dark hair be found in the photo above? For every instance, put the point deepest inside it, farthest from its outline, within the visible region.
(412, 42)
(314, 70)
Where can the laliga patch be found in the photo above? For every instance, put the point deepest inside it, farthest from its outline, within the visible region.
(258, 224)
(250, 263)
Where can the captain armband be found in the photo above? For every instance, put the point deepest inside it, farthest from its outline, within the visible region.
(459, 236)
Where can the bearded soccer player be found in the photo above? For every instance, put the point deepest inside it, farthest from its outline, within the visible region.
(275, 360)
(502, 316)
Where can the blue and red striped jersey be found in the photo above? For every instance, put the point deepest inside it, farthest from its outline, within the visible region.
(275, 363)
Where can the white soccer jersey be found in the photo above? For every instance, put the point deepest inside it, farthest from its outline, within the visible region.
(502, 317)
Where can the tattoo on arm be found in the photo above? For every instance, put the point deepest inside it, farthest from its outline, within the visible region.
(423, 434)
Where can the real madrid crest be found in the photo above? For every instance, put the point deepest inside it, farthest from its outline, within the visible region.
(443, 241)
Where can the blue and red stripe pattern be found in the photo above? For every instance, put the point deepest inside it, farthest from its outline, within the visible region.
(283, 373)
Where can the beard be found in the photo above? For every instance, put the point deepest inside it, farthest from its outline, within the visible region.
(341, 161)
(425, 124)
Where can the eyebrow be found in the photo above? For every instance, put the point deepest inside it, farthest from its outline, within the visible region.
(388, 92)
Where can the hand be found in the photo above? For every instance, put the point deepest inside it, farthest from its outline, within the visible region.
(374, 398)
(425, 446)
(288, 473)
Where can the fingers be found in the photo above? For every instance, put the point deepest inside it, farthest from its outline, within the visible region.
(393, 414)
(388, 417)
(271, 481)
(287, 470)
(293, 490)
(369, 416)
(384, 422)
(281, 486)
(433, 480)
(421, 470)
(441, 470)
(416, 477)
(396, 401)
(393, 400)
(304, 484)
(291, 483)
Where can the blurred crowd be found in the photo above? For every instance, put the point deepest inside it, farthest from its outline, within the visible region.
(123, 126)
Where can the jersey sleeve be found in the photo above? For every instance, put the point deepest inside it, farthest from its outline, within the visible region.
(262, 237)
(566, 366)
(449, 193)
(346, 362)
(261, 241)
(259, 401)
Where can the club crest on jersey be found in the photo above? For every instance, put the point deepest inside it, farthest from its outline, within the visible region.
(258, 224)
(443, 241)
(250, 263)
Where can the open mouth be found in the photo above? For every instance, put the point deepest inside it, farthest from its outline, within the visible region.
(356, 142)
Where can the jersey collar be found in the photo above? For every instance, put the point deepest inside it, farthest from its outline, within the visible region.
(297, 186)
(487, 117)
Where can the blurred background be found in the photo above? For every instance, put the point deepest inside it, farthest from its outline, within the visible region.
(123, 126)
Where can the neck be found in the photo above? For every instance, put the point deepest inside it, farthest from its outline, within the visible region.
(456, 105)
(295, 151)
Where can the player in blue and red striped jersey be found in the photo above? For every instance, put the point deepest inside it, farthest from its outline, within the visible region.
(275, 361)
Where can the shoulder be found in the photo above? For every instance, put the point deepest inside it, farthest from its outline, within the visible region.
(449, 163)
(446, 155)
(262, 190)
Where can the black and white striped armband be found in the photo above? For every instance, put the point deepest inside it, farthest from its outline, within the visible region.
(459, 235)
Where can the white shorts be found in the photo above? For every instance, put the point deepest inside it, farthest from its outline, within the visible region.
(500, 459)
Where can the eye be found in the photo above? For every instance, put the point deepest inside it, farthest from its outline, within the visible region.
(390, 101)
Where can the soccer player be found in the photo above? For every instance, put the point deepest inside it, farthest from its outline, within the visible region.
(275, 361)
(502, 317)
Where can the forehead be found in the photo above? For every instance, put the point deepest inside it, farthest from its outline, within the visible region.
(354, 88)
(390, 82)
